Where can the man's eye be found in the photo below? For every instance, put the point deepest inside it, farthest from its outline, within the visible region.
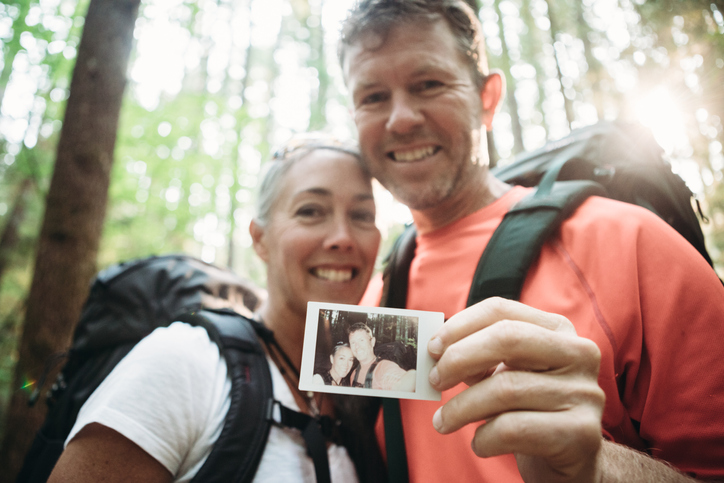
(427, 85)
(373, 98)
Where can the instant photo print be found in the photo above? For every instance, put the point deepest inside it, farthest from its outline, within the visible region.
(368, 351)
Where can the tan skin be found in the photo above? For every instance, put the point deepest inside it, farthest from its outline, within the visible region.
(418, 113)
(322, 221)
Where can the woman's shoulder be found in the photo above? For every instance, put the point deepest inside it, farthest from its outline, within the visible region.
(179, 343)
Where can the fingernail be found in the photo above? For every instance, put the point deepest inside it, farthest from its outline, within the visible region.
(435, 345)
(437, 420)
(434, 377)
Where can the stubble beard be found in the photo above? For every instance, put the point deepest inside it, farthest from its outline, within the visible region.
(436, 193)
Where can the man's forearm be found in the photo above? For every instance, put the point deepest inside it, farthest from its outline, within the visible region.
(621, 464)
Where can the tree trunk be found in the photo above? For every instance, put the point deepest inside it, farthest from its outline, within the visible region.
(9, 238)
(568, 106)
(532, 51)
(516, 128)
(75, 209)
(237, 167)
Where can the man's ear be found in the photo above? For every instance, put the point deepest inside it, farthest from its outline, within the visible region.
(331, 358)
(492, 92)
(373, 341)
(258, 239)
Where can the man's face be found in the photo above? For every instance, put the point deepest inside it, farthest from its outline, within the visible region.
(362, 346)
(417, 111)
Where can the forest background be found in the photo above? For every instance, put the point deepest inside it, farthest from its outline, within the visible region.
(214, 85)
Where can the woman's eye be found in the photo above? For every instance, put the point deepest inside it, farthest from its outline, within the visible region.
(310, 211)
(364, 216)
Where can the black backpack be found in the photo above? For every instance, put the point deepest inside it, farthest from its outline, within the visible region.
(613, 159)
(126, 303)
(402, 354)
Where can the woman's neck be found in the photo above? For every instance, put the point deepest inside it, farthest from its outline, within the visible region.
(335, 377)
(288, 328)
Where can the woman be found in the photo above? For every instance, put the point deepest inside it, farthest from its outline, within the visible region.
(342, 360)
(315, 231)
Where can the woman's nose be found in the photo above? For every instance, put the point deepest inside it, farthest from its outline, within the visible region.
(340, 237)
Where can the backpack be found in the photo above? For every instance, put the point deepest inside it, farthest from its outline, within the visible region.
(402, 354)
(126, 303)
(613, 159)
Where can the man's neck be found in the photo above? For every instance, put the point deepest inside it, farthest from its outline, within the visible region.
(479, 195)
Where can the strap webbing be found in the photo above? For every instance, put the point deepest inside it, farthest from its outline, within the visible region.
(394, 295)
(315, 431)
(395, 442)
(501, 272)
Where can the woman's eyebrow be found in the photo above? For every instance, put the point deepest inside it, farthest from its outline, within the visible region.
(326, 192)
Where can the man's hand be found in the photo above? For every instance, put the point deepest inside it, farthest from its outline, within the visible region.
(533, 384)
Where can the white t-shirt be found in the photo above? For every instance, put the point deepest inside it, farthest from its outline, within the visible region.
(170, 396)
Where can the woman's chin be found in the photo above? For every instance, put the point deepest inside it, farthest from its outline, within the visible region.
(341, 295)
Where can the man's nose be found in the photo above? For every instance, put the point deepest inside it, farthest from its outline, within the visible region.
(405, 116)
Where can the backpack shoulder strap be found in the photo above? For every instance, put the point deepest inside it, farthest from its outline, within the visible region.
(516, 242)
(370, 373)
(501, 272)
(235, 456)
(397, 269)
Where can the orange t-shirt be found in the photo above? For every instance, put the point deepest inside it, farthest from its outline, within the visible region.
(627, 281)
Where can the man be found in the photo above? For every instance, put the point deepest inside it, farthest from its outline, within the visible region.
(610, 362)
(374, 372)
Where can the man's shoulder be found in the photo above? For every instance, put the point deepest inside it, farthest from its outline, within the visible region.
(384, 365)
(604, 214)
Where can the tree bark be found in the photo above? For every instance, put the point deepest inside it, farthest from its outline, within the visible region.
(10, 236)
(567, 104)
(516, 128)
(75, 210)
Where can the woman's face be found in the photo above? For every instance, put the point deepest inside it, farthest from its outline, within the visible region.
(342, 361)
(321, 241)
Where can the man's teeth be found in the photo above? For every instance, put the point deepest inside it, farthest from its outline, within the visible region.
(334, 275)
(413, 154)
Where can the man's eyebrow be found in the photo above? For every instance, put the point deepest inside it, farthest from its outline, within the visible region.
(365, 86)
(423, 70)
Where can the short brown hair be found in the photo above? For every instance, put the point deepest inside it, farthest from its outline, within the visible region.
(356, 327)
(380, 16)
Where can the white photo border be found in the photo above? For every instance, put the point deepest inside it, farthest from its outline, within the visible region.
(428, 325)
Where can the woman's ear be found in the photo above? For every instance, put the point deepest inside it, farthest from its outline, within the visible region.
(258, 239)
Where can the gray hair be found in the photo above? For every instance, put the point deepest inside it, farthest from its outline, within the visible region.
(282, 160)
(380, 16)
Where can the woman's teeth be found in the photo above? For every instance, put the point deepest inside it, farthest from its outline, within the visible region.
(334, 275)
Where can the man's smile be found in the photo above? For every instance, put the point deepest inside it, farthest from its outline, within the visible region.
(412, 155)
